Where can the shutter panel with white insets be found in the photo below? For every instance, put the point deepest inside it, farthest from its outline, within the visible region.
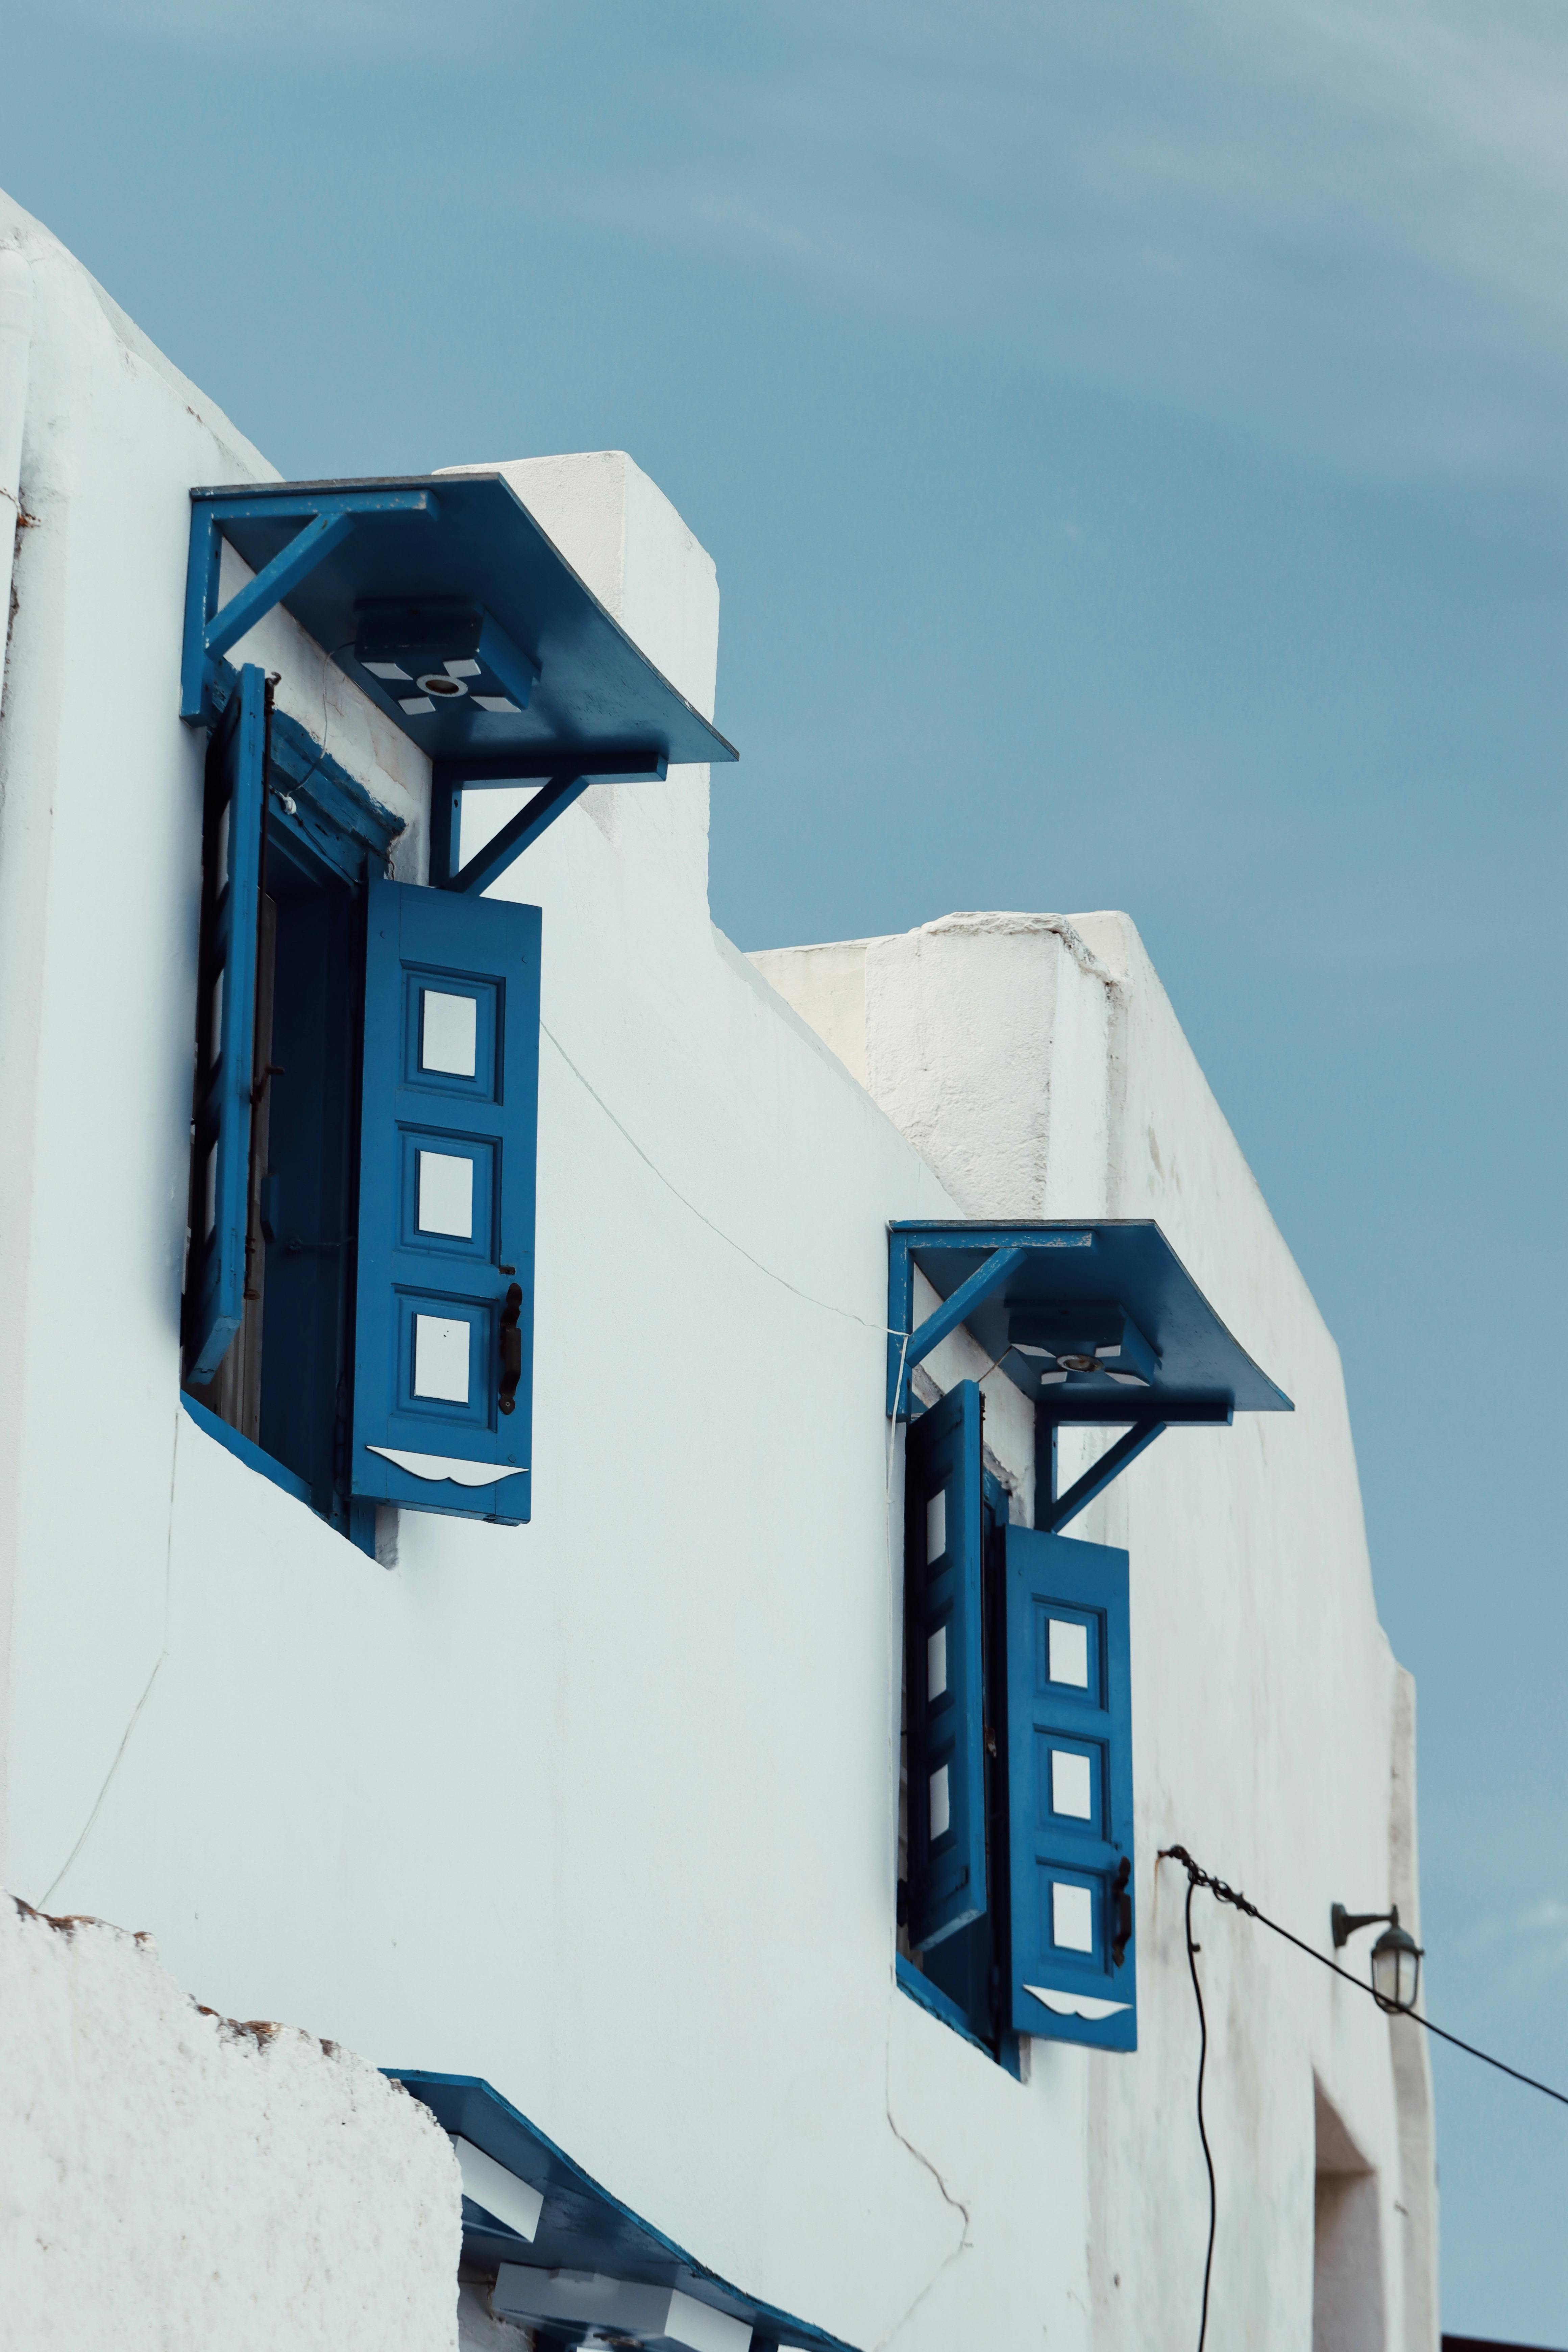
(444, 1296)
(225, 1027)
(946, 1760)
(1070, 1792)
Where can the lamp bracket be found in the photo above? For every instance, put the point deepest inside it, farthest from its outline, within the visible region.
(1345, 1924)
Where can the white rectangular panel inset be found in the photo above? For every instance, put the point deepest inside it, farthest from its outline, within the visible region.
(449, 1033)
(441, 1359)
(485, 2182)
(936, 1526)
(1071, 1785)
(940, 1804)
(1069, 1654)
(445, 1194)
(527, 2292)
(1072, 1918)
(703, 2329)
(936, 1664)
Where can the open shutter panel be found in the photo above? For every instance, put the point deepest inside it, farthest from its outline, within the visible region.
(444, 1300)
(1070, 1792)
(226, 1026)
(946, 1728)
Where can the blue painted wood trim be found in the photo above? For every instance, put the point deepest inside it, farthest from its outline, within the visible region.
(492, 948)
(1052, 1517)
(519, 833)
(257, 501)
(1088, 1583)
(348, 824)
(947, 1872)
(936, 1328)
(200, 604)
(965, 1301)
(932, 1997)
(337, 812)
(235, 779)
(496, 651)
(580, 2217)
(255, 599)
(633, 763)
(327, 517)
(559, 790)
(244, 1451)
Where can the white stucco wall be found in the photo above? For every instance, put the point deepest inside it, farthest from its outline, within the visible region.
(605, 1809)
(1039, 1064)
(172, 2180)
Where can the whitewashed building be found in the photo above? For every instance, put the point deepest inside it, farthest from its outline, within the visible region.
(453, 1534)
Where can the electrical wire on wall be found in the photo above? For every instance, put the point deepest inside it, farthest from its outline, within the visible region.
(1217, 1887)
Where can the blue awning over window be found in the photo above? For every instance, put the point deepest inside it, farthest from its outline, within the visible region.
(448, 604)
(1098, 1321)
(571, 2263)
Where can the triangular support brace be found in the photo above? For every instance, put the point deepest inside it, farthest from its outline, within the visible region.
(325, 519)
(561, 784)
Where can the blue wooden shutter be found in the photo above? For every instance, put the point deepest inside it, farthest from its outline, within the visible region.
(944, 1683)
(443, 1405)
(1070, 1792)
(226, 1026)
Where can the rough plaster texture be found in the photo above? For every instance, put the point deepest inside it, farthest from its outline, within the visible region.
(15, 345)
(170, 2180)
(605, 1809)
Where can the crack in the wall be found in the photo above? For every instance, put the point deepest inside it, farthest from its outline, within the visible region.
(136, 1711)
(957, 2204)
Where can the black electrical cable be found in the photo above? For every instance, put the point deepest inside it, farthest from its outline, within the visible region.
(1203, 2134)
(1223, 1894)
(1233, 1896)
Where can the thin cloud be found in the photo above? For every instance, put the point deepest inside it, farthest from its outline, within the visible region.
(1534, 1943)
(1341, 225)
(1346, 225)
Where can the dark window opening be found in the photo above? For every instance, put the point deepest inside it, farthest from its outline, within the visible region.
(285, 1379)
(1016, 1896)
(968, 1968)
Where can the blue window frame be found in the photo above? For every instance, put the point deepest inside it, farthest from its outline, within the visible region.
(367, 1205)
(232, 823)
(1039, 1822)
(945, 1730)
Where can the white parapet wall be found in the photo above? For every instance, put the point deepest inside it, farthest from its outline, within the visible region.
(172, 2180)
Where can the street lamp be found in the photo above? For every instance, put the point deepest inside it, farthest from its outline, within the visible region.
(1395, 1955)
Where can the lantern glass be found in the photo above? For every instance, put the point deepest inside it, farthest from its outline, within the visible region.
(1396, 1969)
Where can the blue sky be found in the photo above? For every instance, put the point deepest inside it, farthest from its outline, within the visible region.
(1133, 445)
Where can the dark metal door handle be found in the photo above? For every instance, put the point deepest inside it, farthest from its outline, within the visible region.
(1123, 1902)
(511, 1349)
